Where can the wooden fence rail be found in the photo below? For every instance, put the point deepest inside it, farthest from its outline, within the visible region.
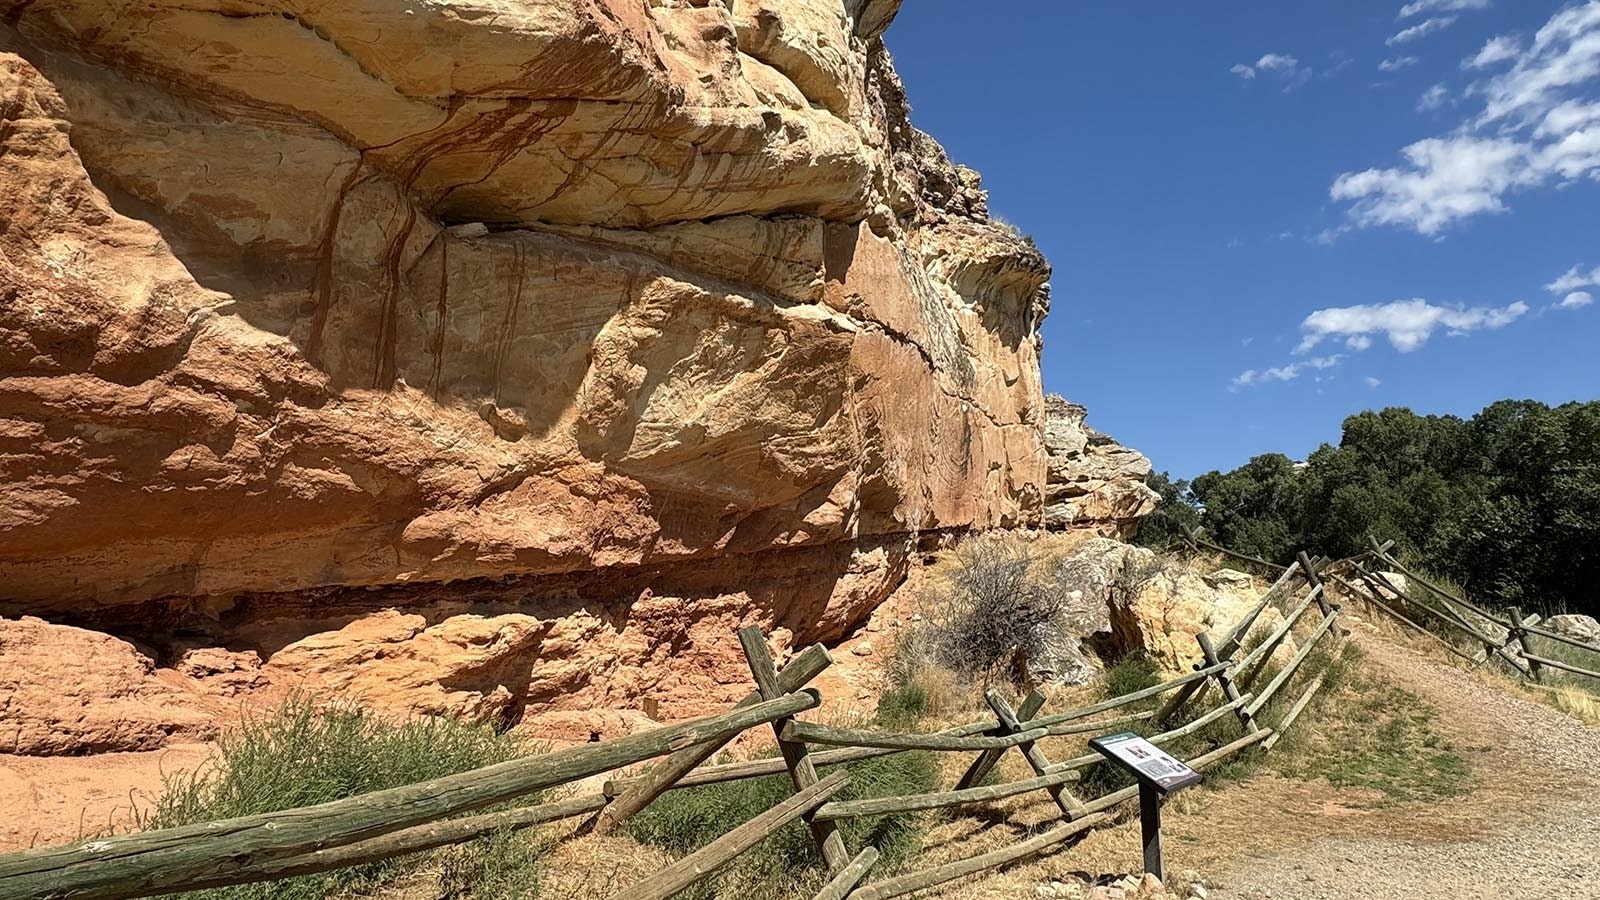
(1454, 612)
(231, 851)
(448, 810)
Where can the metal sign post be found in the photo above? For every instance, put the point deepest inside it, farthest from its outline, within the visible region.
(1158, 775)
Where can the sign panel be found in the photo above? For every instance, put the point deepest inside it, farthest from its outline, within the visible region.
(1145, 761)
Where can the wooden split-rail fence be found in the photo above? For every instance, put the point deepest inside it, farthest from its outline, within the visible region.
(1504, 637)
(389, 823)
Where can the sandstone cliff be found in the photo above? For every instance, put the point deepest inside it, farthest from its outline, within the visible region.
(489, 354)
(1093, 482)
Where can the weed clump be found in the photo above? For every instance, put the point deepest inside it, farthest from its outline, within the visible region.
(1133, 672)
(304, 754)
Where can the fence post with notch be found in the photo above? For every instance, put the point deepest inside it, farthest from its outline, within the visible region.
(795, 754)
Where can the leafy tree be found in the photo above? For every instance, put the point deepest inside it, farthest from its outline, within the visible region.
(1179, 512)
(1506, 503)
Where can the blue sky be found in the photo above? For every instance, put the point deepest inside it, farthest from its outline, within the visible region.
(1266, 216)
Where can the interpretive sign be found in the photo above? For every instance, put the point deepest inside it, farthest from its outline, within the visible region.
(1145, 761)
(1159, 774)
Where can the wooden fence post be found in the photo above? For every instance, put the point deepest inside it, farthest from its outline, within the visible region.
(795, 755)
(1367, 594)
(1225, 681)
(659, 778)
(986, 761)
(1451, 617)
(1520, 634)
(1310, 568)
(713, 856)
(1070, 807)
(846, 881)
(149, 863)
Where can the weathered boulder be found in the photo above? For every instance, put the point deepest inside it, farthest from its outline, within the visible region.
(1175, 604)
(1085, 635)
(310, 309)
(1124, 599)
(1092, 482)
(1387, 584)
(66, 690)
(1583, 628)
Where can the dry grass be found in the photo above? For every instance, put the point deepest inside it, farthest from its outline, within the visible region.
(1577, 702)
(1337, 774)
(598, 868)
(306, 753)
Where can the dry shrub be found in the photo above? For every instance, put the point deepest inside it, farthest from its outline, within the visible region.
(992, 616)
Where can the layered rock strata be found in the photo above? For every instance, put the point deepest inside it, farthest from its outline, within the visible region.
(510, 348)
(1093, 482)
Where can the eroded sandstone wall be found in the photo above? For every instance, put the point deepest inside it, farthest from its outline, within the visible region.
(490, 308)
(1092, 483)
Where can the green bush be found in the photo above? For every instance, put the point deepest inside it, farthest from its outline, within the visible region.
(304, 755)
(1506, 503)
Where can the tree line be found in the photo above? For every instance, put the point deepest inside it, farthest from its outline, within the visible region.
(1506, 503)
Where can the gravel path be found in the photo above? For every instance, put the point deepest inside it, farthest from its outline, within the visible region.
(1551, 851)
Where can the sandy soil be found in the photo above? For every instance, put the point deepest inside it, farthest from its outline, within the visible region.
(1530, 826)
(57, 799)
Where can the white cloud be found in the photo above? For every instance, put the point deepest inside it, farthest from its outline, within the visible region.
(1277, 62)
(1433, 98)
(1538, 127)
(1408, 324)
(1574, 278)
(1498, 50)
(1371, 382)
(1418, 7)
(1252, 377)
(1444, 180)
(1420, 31)
(1576, 300)
(1565, 54)
(1285, 67)
(1397, 63)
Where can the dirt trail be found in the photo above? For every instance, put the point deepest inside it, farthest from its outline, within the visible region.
(1530, 828)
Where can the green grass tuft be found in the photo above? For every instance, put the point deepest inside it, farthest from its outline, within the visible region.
(305, 754)
(1381, 737)
(1133, 672)
(903, 706)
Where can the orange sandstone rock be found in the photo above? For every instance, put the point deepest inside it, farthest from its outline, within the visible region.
(485, 358)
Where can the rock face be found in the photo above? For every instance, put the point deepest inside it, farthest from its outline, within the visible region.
(67, 690)
(1174, 604)
(538, 341)
(1123, 599)
(1093, 482)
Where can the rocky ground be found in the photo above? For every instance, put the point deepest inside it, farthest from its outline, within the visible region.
(1524, 821)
